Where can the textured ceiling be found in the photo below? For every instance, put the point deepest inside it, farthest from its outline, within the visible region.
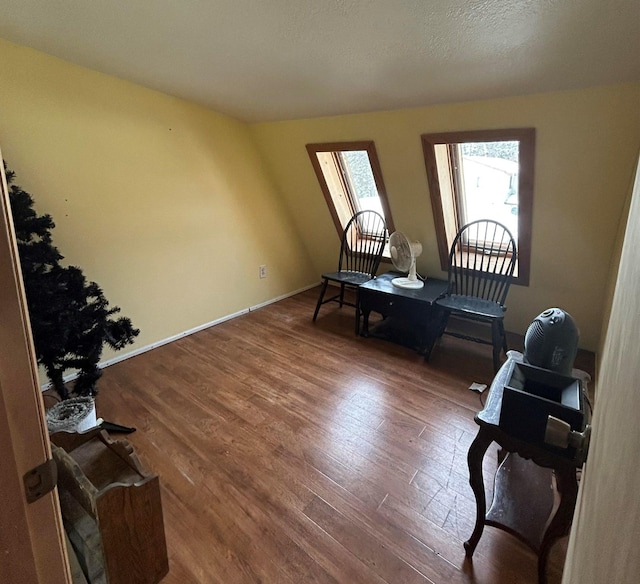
(260, 60)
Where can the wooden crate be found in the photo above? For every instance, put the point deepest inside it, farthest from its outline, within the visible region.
(111, 508)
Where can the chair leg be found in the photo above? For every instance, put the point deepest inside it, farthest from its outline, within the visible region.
(436, 325)
(443, 319)
(498, 342)
(341, 295)
(322, 292)
(358, 312)
(505, 348)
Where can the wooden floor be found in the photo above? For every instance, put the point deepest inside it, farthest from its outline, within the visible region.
(293, 452)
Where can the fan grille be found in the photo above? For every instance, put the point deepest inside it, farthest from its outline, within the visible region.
(401, 253)
(534, 340)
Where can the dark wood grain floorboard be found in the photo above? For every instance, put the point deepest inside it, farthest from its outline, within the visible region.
(293, 452)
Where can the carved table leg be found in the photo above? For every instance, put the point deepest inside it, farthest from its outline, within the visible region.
(560, 525)
(475, 456)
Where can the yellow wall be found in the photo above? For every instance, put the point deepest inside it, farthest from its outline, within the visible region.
(587, 142)
(165, 204)
(604, 540)
(614, 266)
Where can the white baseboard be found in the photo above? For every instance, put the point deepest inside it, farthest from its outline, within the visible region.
(140, 350)
(277, 299)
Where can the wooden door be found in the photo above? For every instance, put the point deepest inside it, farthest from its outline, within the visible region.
(32, 548)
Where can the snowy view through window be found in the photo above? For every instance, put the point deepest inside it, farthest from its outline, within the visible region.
(490, 174)
(362, 181)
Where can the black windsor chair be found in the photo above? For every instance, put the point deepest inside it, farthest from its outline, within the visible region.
(363, 242)
(481, 265)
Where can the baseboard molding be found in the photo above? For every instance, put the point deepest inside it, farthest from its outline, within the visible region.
(155, 345)
(278, 298)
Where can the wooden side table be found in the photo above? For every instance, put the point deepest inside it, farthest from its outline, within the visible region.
(532, 519)
(411, 314)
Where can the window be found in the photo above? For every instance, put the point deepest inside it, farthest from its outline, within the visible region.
(485, 174)
(351, 180)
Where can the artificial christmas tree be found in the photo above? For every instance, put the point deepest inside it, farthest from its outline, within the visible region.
(70, 317)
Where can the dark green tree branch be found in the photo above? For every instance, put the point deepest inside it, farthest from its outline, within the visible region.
(70, 317)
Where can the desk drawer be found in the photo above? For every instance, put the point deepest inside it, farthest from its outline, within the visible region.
(395, 306)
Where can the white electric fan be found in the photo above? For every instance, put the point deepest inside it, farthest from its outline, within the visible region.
(403, 255)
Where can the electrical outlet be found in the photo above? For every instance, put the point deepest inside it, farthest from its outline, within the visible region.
(263, 271)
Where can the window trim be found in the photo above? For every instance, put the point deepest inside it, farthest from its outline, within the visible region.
(526, 153)
(331, 147)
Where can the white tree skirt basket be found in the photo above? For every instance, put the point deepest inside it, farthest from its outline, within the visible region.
(77, 414)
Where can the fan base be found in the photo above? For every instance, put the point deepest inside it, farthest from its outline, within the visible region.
(407, 284)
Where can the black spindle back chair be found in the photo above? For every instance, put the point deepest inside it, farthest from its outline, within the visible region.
(482, 260)
(363, 242)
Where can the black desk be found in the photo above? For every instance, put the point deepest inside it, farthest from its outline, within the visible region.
(523, 501)
(410, 315)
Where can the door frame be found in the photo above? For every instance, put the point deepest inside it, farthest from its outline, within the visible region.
(32, 541)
